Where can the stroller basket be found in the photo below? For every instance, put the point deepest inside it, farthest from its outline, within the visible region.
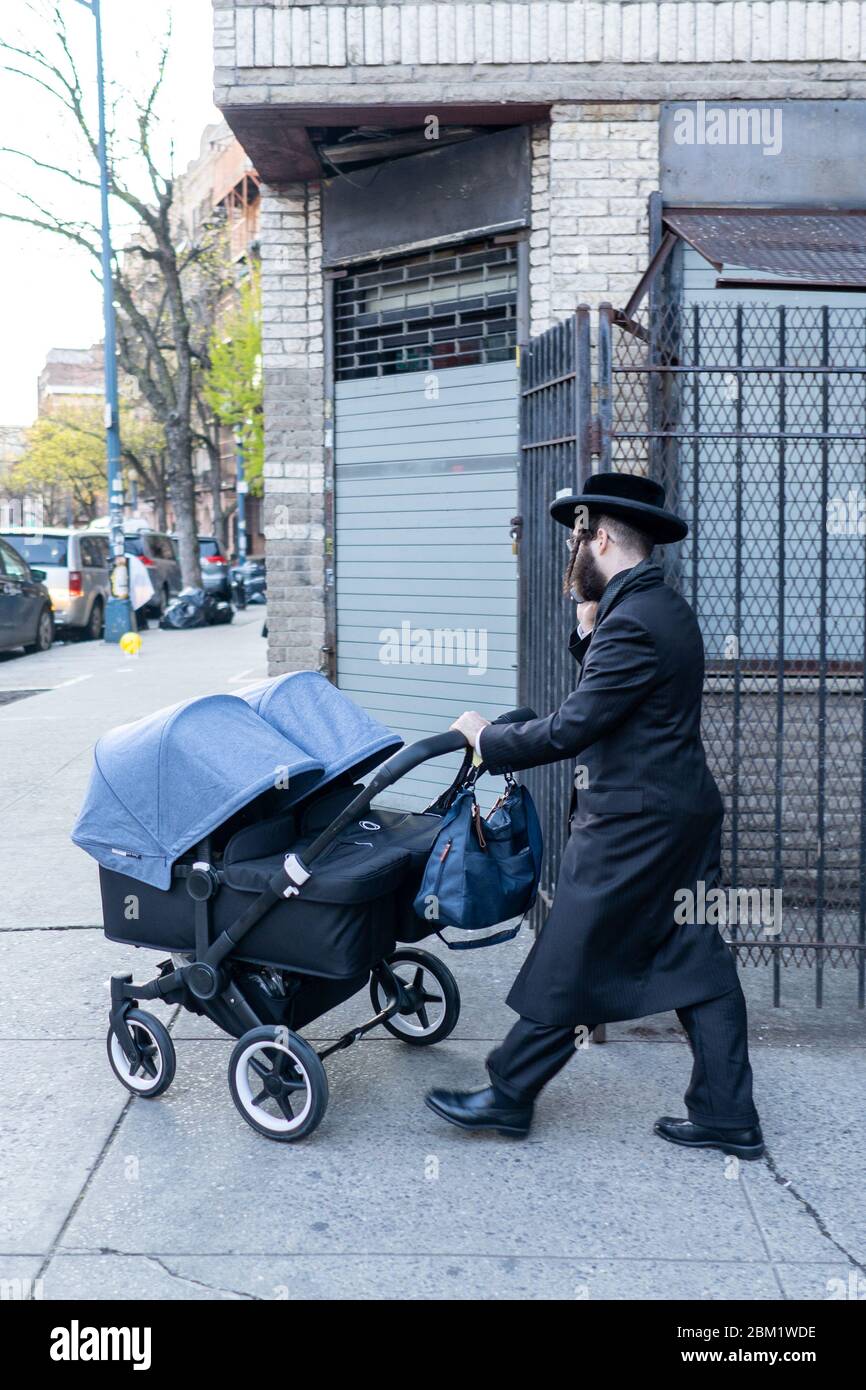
(231, 833)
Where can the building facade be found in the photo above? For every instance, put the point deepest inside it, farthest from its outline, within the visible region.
(441, 184)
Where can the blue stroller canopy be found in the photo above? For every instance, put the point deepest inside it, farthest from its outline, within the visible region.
(305, 707)
(163, 783)
(160, 785)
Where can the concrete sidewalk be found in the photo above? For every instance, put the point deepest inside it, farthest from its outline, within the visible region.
(110, 1197)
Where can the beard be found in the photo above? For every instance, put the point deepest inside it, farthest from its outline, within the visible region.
(583, 579)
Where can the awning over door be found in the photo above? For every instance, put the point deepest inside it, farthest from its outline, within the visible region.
(805, 246)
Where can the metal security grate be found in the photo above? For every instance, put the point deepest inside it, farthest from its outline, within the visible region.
(441, 308)
(754, 416)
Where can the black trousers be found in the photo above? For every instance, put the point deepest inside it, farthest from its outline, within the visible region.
(719, 1092)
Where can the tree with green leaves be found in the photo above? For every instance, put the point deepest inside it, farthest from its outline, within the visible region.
(64, 464)
(232, 381)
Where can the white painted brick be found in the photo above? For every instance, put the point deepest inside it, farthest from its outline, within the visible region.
(355, 35)
(796, 30)
(668, 33)
(318, 36)
(574, 16)
(501, 33)
(520, 33)
(427, 46)
(778, 32)
(649, 33)
(851, 30)
(301, 37)
(263, 37)
(705, 33)
(336, 36)
(372, 35)
(760, 32)
(465, 34)
(630, 47)
(556, 31)
(391, 35)
(611, 32)
(742, 31)
(538, 38)
(483, 33)
(244, 38)
(814, 29)
(832, 47)
(593, 32)
(686, 32)
(283, 38)
(446, 45)
(409, 35)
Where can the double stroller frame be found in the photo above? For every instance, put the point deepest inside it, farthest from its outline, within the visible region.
(140, 1048)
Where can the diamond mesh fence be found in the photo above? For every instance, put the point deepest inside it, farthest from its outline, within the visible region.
(754, 417)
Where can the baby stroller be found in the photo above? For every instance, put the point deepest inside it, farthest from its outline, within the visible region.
(232, 833)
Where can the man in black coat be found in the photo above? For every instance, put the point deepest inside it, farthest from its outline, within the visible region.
(645, 828)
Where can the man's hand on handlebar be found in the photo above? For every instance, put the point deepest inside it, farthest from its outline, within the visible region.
(470, 725)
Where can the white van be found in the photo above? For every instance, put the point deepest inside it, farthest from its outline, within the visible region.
(76, 566)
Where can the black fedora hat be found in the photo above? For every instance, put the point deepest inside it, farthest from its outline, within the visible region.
(639, 501)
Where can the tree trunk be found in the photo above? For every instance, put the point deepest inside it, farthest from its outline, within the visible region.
(181, 487)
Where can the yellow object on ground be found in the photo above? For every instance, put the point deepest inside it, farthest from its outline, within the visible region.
(130, 643)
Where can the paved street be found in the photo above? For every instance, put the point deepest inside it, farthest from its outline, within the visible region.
(109, 1197)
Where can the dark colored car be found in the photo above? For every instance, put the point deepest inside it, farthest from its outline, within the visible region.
(214, 568)
(26, 619)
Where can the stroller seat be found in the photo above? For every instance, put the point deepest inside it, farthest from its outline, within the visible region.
(352, 871)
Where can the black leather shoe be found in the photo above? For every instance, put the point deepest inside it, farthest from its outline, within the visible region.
(482, 1109)
(745, 1143)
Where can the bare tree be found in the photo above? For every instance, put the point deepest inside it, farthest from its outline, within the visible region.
(153, 279)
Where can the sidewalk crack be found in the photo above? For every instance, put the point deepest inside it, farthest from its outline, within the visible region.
(812, 1211)
(190, 1279)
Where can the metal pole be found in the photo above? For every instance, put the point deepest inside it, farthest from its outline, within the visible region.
(119, 615)
(242, 499)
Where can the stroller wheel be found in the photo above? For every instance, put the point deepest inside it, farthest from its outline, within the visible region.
(278, 1083)
(155, 1073)
(435, 998)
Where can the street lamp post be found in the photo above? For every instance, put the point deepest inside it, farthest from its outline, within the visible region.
(242, 489)
(119, 615)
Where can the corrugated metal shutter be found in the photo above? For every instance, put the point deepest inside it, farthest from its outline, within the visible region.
(426, 579)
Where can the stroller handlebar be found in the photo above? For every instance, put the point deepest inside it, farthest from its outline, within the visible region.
(396, 767)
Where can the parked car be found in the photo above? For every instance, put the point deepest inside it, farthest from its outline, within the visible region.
(214, 567)
(155, 550)
(76, 571)
(26, 619)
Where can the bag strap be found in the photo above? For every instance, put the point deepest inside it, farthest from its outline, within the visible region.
(507, 935)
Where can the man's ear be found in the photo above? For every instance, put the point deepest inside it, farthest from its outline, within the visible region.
(603, 539)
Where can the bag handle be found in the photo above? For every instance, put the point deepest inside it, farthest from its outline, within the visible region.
(495, 940)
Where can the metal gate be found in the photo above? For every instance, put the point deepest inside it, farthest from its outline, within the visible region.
(754, 417)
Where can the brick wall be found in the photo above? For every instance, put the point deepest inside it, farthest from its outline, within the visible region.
(263, 51)
(604, 67)
(292, 365)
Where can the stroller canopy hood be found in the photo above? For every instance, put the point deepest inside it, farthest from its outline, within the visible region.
(158, 786)
(307, 709)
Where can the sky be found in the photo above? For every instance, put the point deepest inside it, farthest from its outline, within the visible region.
(48, 294)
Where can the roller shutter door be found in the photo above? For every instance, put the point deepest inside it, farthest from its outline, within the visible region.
(425, 488)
